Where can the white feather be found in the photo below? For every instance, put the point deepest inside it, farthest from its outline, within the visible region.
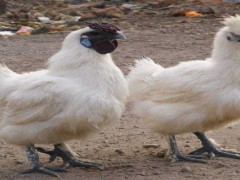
(80, 92)
(193, 96)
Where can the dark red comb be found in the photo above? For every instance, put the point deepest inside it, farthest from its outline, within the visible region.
(103, 27)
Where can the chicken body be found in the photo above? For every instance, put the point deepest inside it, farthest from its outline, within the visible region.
(193, 96)
(50, 107)
(190, 97)
(80, 92)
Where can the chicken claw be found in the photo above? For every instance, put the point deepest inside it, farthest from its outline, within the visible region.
(45, 170)
(68, 158)
(36, 167)
(175, 154)
(212, 149)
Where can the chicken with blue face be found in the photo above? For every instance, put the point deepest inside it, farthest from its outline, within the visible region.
(103, 39)
(80, 92)
(193, 96)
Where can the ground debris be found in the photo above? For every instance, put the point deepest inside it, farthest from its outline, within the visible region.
(3, 6)
(119, 151)
(232, 1)
(186, 169)
(147, 146)
(51, 16)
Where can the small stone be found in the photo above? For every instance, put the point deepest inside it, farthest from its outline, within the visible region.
(203, 169)
(40, 30)
(73, 13)
(143, 173)
(186, 170)
(136, 151)
(147, 146)
(163, 153)
(232, 174)
(119, 151)
(155, 173)
(105, 142)
(105, 145)
(19, 162)
(221, 165)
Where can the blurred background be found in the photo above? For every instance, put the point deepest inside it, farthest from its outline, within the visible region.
(27, 17)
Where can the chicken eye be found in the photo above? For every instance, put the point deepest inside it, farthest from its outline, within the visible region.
(86, 42)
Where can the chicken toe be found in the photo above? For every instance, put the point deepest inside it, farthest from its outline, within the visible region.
(63, 151)
(212, 149)
(36, 166)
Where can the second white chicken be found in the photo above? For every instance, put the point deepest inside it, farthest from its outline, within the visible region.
(193, 96)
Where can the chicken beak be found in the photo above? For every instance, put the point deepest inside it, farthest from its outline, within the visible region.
(119, 35)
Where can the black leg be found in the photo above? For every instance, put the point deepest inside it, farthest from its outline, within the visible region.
(36, 166)
(61, 150)
(176, 155)
(212, 149)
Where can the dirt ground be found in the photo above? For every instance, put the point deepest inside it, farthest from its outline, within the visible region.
(119, 147)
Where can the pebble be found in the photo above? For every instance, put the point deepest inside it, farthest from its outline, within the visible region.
(155, 173)
(151, 146)
(143, 173)
(186, 169)
(232, 174)
(119, 151)
(220, 165)
(3, 155)
(105, 145)
(19, 162)
(136, 151)
(161, 154)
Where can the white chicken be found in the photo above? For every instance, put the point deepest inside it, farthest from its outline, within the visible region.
(194, 96)
(80, 91)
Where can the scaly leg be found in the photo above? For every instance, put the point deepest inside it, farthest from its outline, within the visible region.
(176, 155)
(36, 166)
(212, 149)
(63, 151)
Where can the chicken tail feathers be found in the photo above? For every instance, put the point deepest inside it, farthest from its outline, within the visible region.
(141, 76)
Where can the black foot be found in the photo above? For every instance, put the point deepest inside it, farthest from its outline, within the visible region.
(45, 170)
(176, 155)
(36, 167)
(212, 149)
(61, 150)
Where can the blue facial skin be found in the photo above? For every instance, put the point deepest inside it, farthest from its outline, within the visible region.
(86, 42)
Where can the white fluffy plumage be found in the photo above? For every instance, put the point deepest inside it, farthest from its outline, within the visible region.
(193, 96)
(79, 92)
